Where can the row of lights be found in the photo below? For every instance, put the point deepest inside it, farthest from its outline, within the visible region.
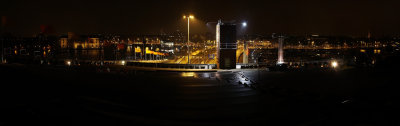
(68, 63)
(334, 64)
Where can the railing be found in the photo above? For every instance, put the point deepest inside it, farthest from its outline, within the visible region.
(179, 66)
(228, 46)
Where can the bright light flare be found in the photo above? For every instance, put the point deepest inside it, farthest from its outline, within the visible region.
(244, 24)
(334, 64)
(69, 63)
(123, 62)
(190, 17)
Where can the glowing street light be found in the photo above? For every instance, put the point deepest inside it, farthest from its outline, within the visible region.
(245, 48)
(123, 62)
(69, 63)
(244, 24)
(188, 41)
(334, 64)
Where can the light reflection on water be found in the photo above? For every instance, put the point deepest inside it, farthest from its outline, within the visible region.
(197, 75)
(189, 74)
(205, 75)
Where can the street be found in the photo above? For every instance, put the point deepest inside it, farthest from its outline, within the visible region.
(48, 96)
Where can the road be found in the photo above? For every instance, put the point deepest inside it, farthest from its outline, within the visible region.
(48, 96)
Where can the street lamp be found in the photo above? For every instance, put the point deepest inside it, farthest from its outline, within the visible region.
(334, 64)
(244, 24)
(245, 48)
(69, 63)
(188, 41)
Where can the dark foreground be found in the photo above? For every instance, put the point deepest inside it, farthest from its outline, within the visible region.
(33, 95)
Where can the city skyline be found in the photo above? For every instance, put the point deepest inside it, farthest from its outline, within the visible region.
(200, 62)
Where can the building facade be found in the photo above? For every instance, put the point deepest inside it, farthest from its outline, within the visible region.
(226, 45)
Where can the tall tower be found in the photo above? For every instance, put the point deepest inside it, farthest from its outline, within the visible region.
(226, 45)
(280, 50)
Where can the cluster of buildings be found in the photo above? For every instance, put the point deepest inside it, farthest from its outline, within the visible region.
(90, 47)
(224, 46)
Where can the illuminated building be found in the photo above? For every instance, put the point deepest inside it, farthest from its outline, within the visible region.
(64, 42)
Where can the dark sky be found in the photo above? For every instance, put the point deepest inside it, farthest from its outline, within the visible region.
(329, 17)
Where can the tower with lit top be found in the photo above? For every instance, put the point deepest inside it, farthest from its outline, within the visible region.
(226, 45)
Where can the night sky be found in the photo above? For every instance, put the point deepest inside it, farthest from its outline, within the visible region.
(329, 17)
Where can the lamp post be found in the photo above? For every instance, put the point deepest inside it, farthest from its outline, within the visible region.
(188, 41)
(245, 48)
